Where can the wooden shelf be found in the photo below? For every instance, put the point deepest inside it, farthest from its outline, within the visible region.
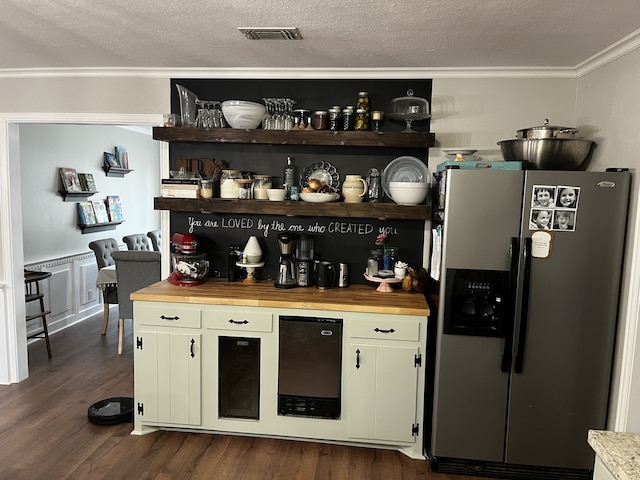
(75, 195)
(383, 211)
(115, 171)
(296, 137)
(98, 227)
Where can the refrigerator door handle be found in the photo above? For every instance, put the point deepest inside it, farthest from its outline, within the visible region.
(505, 364)
(524, 310)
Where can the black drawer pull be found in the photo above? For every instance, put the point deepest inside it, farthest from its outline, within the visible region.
(379, 330)
(235, 322)
(358, 358)
(169, 318)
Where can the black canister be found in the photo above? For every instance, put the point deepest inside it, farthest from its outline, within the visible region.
(232, 269)
(347, 119)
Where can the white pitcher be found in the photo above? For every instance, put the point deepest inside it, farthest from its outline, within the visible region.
(354, 189)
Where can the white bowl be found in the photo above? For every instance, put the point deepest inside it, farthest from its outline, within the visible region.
(276, 194)
(242, 114)
(408, 193)
(414, 185)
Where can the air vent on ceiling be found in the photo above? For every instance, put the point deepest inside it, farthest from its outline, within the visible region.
(271, 33)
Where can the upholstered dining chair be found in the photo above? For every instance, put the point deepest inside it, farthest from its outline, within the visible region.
(156, 239)
(103, 249)
(135, 269)
(137, 241)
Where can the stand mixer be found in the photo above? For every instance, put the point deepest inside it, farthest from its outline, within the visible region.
(286, 277)
(189, 267)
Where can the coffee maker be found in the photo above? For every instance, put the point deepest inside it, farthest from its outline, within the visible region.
(286, 277)
(304, 258)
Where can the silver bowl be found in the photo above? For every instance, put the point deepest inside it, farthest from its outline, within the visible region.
(548, 153)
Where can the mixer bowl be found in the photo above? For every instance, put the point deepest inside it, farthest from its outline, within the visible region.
(190, 268)
(548, 153)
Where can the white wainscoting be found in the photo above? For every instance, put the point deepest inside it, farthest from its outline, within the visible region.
(70, 293)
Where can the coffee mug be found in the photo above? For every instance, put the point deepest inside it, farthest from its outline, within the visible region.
(326, 275)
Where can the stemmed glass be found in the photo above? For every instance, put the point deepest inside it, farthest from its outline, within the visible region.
(267, 120)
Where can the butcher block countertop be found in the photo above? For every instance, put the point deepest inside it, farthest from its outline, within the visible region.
(356, 298)
(619, 452)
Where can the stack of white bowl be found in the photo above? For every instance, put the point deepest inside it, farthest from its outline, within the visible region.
(409, 193)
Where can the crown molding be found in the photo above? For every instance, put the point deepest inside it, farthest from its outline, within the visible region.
(303, 73)
(609, 54)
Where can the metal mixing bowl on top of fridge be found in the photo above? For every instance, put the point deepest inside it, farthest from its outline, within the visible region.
(548, 148)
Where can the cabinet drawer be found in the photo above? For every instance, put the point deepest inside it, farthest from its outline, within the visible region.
(239, 320)
(386, 329)
(167, 315)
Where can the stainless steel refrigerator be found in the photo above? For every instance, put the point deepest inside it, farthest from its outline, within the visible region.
(527, 318)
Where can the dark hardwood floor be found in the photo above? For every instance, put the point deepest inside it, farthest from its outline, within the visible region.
(45, 434)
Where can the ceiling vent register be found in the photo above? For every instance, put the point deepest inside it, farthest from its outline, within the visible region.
(271, 33)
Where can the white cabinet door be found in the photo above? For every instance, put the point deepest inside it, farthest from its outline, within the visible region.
(168, 377)
(382, 383)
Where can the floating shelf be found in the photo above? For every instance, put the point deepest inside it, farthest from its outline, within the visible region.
(75, 195)
(296, 137)
(98, 227)
(383, 211)
(115, 171)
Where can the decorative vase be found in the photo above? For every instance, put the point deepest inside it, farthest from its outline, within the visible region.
(252, 250)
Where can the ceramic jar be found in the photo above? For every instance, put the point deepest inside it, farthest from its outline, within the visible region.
(354, 189)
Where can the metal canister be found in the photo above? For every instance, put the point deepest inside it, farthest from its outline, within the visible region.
(343, 275)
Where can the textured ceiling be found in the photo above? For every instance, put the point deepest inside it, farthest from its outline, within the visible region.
(337, 33)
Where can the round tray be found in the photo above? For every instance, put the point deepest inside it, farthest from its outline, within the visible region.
(385, 283)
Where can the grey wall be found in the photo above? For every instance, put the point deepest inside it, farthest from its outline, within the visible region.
(44, 148)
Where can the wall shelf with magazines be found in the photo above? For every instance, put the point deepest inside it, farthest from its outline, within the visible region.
(116, 164)
(99, 227)
(99, 215)
(115, 171)
(76, 185)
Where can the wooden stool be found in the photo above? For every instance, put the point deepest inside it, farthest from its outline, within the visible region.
(31, 279)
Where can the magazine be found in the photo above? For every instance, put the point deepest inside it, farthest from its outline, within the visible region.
(86, 214)
(110, 160)
(115, 208)
(87, 182)
(100, 210)
(70, 180)
(123, 157)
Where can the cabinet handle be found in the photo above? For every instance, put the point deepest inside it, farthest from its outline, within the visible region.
(243, 322)
(193, 342)
(169, 318)
(379, 330)
(358, 358)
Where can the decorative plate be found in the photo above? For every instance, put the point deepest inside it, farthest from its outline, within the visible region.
(315, 197)
(323, 171)
(404, 169)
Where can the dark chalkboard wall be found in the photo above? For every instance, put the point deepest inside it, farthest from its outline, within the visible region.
(346, 240)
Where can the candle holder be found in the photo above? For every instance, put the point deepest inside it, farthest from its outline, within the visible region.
(376, 118)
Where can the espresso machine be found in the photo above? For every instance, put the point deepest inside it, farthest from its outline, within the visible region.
(304, 259)
(286, 277)
(189, 267)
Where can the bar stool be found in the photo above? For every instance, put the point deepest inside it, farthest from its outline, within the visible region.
(31, 279)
